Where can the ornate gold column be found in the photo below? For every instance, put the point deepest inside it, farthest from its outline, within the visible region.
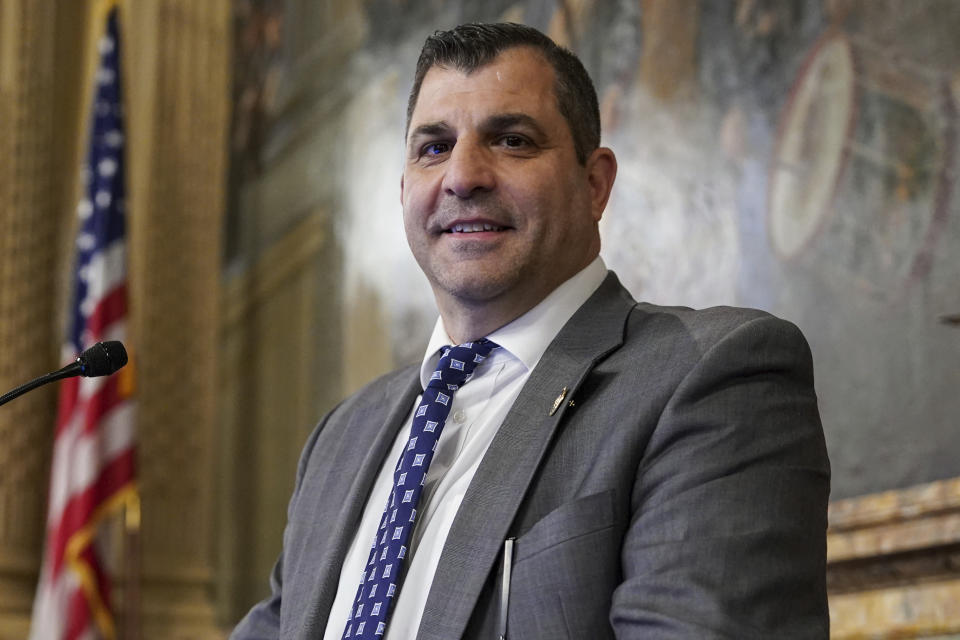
(28, 241)
(178, 119)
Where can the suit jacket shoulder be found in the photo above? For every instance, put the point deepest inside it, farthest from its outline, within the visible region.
(679, 491)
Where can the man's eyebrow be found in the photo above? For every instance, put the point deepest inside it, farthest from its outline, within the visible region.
(430, 129)
(503, 121)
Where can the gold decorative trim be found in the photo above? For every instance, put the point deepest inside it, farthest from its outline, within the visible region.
(889, 506)
(917, 611)
(893, 563)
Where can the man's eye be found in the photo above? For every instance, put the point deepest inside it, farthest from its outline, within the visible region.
(435, 149)
(513, 141)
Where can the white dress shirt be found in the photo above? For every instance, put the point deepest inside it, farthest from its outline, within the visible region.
(476, 414)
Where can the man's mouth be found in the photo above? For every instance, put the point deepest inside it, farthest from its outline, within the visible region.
(474, 227)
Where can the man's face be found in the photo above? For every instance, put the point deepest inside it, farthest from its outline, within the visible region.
(496, 208)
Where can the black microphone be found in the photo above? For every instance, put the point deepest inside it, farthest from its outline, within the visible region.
(102, 359)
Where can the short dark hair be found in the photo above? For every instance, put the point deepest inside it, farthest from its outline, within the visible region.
(470, 46)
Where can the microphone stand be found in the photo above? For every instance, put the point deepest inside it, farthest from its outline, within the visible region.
(102, 359)
(68, 371)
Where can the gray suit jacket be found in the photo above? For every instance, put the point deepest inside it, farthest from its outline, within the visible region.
(679, 491)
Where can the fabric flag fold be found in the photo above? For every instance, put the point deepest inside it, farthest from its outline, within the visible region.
(93, 467)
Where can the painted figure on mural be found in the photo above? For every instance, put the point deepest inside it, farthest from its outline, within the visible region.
(577, 464)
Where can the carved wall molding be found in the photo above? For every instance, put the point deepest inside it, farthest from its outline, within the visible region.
(277, 263)
(276, 341)
(893, 563)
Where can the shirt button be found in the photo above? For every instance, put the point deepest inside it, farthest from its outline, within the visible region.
(459, 416)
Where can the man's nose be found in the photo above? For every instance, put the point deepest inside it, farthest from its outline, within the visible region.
(469, 170)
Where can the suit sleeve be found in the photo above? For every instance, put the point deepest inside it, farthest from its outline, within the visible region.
(727, 531)
(262, 622)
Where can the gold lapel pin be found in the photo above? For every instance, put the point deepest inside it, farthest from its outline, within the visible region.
(558, 402)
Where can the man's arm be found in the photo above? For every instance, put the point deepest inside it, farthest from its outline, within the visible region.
(727, 537)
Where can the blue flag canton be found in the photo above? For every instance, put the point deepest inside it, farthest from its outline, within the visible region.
(100, 254)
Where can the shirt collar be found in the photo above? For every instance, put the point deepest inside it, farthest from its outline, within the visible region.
(528, 337)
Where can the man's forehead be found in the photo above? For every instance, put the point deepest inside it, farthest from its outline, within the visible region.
(520, 75)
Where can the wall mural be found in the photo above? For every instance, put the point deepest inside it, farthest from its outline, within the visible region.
(796, 156)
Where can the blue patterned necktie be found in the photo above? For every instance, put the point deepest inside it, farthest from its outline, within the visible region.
(383, 574)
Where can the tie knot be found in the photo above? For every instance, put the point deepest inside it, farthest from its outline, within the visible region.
(457, 363)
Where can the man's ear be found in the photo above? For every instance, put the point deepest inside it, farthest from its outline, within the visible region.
(601, 172)
(401, 189)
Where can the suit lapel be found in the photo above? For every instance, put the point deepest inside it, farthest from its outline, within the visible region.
(382, 426)
(498, 488)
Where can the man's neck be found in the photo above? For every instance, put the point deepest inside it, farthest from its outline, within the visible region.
(472, 322)
(466, 320)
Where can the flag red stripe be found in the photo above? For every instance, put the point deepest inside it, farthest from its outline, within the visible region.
(78, 616)
(104, 584)
(69, 394)
(94, 408)
(91, 558)
(101, 403)
(110, 308)
(81, 615)
(113, 476)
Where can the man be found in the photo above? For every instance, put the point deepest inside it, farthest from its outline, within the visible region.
(609, 469)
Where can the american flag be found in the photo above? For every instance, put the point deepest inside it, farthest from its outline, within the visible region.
(92, 471)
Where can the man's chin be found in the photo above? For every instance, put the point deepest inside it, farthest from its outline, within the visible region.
(475, 287)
